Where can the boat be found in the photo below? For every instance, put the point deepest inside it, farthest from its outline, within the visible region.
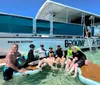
(55, 23)
(89, 75)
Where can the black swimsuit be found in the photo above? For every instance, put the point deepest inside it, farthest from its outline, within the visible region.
(81, 58)
(59, 52)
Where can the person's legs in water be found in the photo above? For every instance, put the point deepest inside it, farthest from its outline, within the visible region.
(50, 63)
(76, 70)
(7, 74)
(62, 61)
(72, 63)
(67, 65)
(4, 82)
(42, 62)
(57, 62)
(79, 63)
(71, 70)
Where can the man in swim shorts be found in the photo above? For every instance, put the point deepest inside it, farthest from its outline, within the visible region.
(10, 64)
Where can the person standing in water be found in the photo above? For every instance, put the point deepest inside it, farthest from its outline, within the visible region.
(10, 64)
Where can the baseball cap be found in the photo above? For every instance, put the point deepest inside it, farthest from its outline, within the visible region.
(69, 42)
(41, 45)
(58, 45)
(50, 47)
(32, 46)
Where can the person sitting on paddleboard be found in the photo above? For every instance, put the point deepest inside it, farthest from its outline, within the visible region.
(50, 60)
(41, 52)
(30, 59)
(69, 56)
(60, 59)
(79, 60)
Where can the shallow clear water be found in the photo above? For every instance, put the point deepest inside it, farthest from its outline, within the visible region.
(50, 77)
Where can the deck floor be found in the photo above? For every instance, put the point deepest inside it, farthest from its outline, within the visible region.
(91, 72)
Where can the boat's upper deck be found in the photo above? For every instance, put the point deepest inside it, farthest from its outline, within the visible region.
(53, 19)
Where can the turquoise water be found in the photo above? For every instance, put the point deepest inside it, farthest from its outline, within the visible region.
(50, 77)
(94, 56)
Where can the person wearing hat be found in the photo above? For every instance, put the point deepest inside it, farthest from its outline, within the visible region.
(41, 51)
(49, 60)
(51, 52)
(30, 55)
(69, 51)
(60, 56)
(69, 55)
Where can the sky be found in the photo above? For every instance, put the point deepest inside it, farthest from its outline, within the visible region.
(31, 7)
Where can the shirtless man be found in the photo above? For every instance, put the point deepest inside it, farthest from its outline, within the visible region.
(10, 65)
